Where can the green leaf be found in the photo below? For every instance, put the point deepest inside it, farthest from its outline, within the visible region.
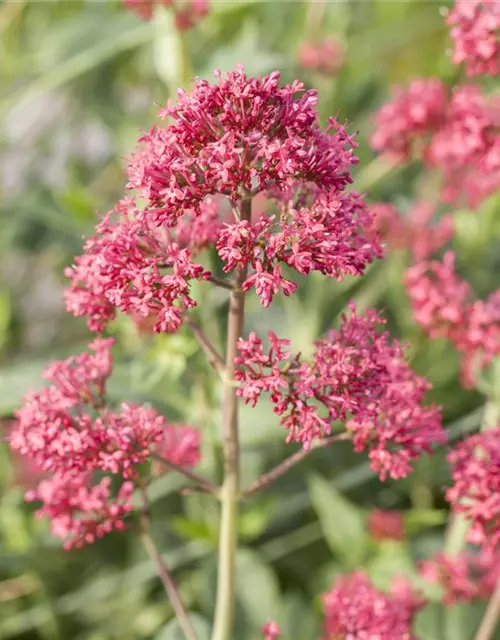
(298, 618)
(173, 631)
(257, 587)
(341, 521)
(421, 519)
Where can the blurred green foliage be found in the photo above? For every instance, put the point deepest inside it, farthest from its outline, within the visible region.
(78, 81)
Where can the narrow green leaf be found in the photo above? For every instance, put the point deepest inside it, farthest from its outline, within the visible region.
(341, 521)
(172, 630)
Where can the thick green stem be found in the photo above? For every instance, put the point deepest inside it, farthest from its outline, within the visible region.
(230, 491)
(456, 535)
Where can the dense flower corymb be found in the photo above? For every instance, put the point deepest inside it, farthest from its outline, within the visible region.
(475, 470)
(386, 525)
(466, 577)
(187, 13)
(356, 610)
(475, 31)
(412, 113)
(239, 136)
(68, 430)
(356, 376)
(443, 306)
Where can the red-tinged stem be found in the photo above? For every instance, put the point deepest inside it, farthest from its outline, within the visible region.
(200, 483)
(220, 282)
(164, 574)
(228, 535)
(214, 357)
(269, 477)
(489, 623)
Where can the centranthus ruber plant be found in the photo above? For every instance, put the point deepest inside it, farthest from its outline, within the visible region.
(194, 186)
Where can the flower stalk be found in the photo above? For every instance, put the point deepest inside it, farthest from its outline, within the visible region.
(164, 574)
(228, 536)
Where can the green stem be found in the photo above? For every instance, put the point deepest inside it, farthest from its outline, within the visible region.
(229, 495)
(456, 535)
(489, 623)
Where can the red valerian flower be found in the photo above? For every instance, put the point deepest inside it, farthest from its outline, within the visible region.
(326, 56)
(271, 631)
(356, 610)
(355, 376)
(80, 511)
(475, 471)
(412, 113)
(475, 31)
(135, 267)
(186, 13)
(415, 231)
(443, 306)
(468, 576)
(386, 525)
(330, 235)
(237, 137)
(67, 429)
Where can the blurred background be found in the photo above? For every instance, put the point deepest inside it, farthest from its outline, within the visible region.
(79, 80)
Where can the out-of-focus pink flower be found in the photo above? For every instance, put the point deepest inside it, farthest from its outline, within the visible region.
(475, 31)
(466, 148)
(412, 113)
(414, 231)
(443, 306)
(180, 445)
(68, 430)
(357, 377)
(468, 576)
(326, 56)
(271, 631)
(355, 609)
(79, 511)
(237, 137)
(386, 525)
(187, 12)
(475, 470)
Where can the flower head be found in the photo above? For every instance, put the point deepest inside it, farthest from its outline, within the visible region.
(355, 609)
(326, 56)
(468, 576)
(412, 113)
(357, 377)
(475, 31)
(135, 267)
(475, 471)
(386, 525)
(271, 631)
(187, 13)
(239, 136)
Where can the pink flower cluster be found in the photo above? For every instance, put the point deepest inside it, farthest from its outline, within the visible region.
(356, 376)
(237, 137)
(123, 267)
(356, 610)
(475, 31)
(386, 525)
(414, 231)
(67, 429)
(329, 235)
(326, 56)
(187, 14)
(271, 631)
(443, 306)
(411, 115)
(459, 135)
(475, 470)
(467, 577)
